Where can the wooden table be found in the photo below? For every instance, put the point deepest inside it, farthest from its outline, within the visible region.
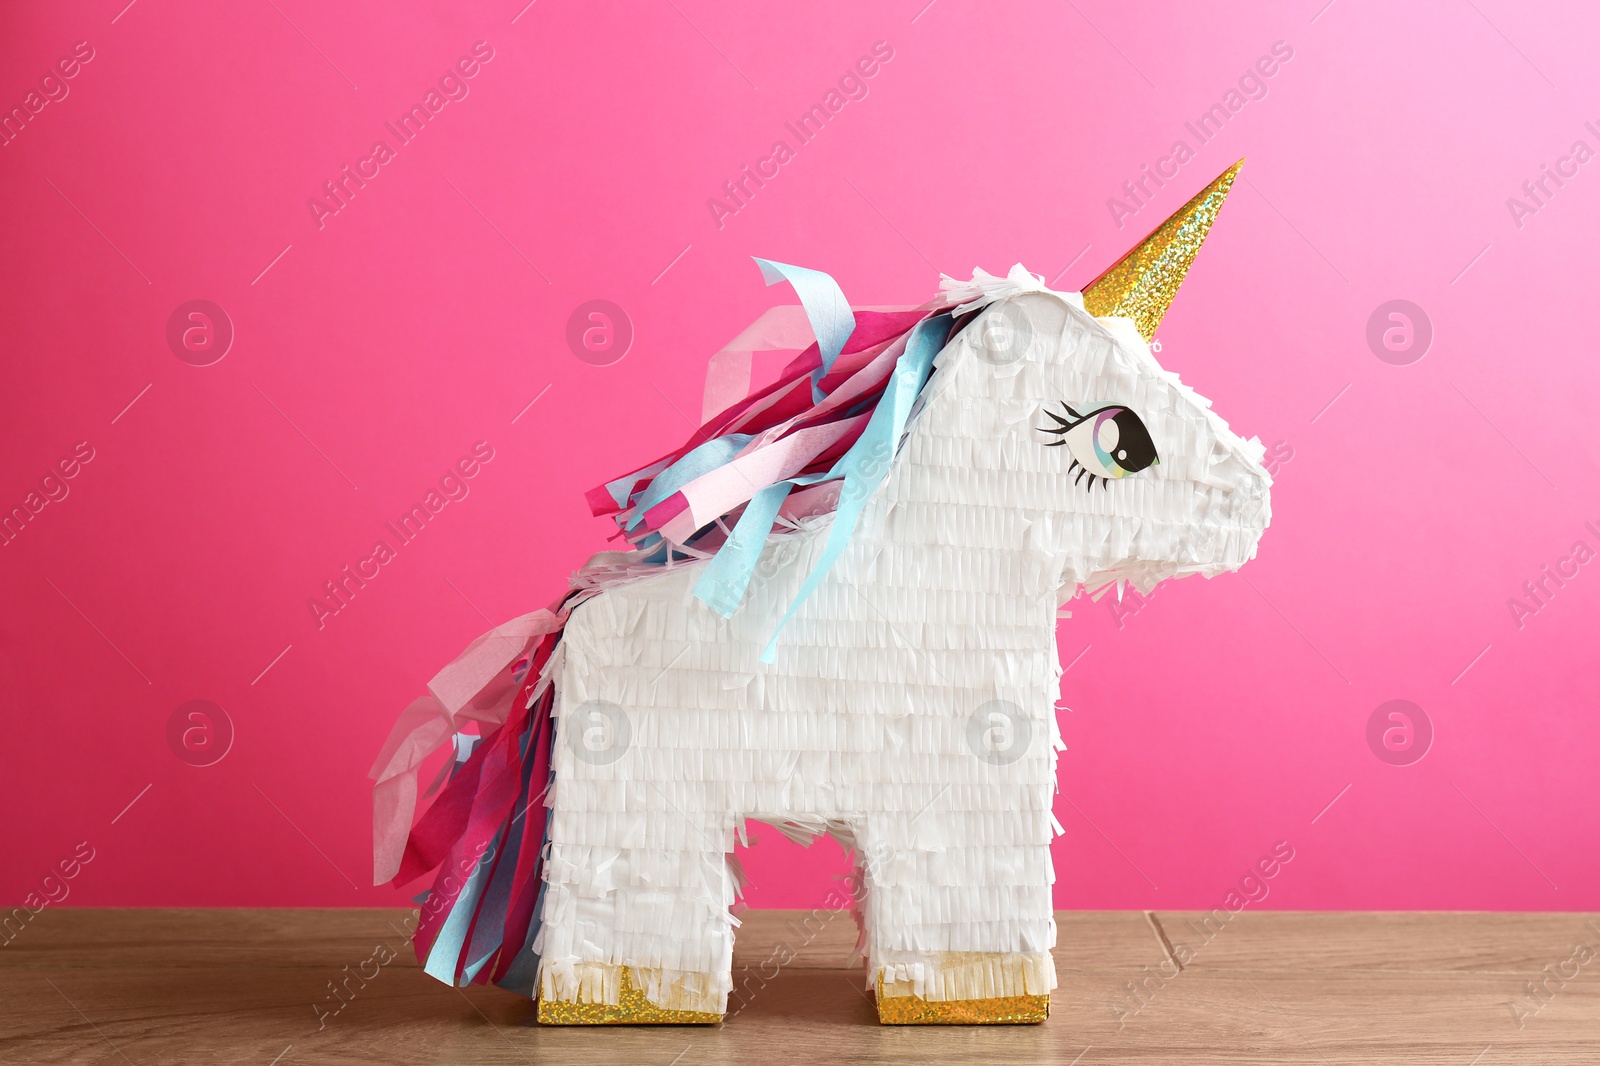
(256, 986)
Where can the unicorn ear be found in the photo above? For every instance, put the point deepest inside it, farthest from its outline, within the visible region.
(1142, 284)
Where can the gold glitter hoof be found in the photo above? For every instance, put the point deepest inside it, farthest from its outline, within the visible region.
(1003, 1010)
(633, 1007)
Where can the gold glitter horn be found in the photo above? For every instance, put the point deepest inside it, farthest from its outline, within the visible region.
(1142, 283)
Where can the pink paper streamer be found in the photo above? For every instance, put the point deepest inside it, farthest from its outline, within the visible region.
(726, 487)
(478, 686)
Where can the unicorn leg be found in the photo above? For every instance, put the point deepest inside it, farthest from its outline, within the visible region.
(959, 920)
(636, 922)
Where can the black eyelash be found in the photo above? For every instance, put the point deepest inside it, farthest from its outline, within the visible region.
(1082, 470)
(1060, 429)
(1065, 425)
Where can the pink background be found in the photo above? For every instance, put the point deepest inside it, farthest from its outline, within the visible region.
(372, 352)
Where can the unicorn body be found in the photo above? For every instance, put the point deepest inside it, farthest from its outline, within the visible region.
(839, 616)
(910, 707)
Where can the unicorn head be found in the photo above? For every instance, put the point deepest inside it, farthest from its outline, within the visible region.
(1113, 466)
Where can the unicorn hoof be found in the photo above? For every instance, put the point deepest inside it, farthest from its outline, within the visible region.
(633, 1007)
(1002, 1010)
(949, 999)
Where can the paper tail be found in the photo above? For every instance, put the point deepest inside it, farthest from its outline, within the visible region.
(486, 835)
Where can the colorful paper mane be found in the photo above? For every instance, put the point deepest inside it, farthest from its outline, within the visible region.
(815, 441)
(837, 615)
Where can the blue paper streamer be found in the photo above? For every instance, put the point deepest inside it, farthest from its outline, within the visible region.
(867, 462)
(828, 311)
(446, 949)
(728, 573)
(701, 460)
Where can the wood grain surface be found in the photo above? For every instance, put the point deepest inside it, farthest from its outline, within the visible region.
(258, 986)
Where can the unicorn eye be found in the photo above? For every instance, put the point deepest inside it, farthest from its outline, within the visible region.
(1106, 443)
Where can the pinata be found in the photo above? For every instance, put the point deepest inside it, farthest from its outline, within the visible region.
(837, 614)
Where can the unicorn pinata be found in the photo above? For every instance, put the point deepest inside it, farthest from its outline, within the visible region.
(837, 615)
